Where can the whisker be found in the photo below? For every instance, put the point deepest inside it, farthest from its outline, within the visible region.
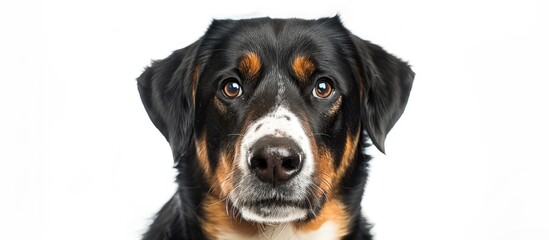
(322, 134)
(328, 183)
(205, 198)
(262, 230)
(234, 134)
(322, 191)
(283, 228)
(226, 178)
(211, 189)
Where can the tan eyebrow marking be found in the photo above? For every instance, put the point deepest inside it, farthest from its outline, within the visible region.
(303, 67)
(250, 65)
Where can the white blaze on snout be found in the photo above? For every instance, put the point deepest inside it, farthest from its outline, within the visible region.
(284, 124)
(279, 123)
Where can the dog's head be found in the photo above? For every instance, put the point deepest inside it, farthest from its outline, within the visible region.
(275, 112)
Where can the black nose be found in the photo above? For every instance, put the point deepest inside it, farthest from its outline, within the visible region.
(275, 160)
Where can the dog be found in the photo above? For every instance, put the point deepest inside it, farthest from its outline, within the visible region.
(268, 121)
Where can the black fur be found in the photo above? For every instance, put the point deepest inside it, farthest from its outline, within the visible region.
(375, 86)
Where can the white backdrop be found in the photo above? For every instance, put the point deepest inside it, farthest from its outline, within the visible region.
(468, 159)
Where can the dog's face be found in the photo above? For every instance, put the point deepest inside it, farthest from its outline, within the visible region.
(275, 112)
(277, 116)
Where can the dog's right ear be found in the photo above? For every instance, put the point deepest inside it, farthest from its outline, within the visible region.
(167, 91)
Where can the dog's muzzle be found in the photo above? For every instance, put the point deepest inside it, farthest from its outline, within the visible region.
(275, 164)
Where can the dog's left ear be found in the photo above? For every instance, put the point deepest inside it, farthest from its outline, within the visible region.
(166, 89)
(386, 84)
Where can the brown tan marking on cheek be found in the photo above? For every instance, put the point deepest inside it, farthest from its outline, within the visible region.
(325, 177)
(303, 67)
(324, 171)
(228, 163)
(335, 107)
(220, 106)
(333, 211)
(224, 174)
(218, 217)
(202, 153)
(216, 222)
(351, 144)
(250, 65)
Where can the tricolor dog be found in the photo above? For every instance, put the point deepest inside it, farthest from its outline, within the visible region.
(268, 120)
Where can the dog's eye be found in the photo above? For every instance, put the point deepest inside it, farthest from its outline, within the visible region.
(232, 89)
(323, 89)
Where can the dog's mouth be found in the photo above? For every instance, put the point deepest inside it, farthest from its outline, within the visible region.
(264, 204)
(274, 211)
(274, 204)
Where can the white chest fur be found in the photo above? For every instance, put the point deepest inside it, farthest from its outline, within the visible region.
(328, 230)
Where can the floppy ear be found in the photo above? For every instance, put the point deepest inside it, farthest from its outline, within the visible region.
(166, 89)
(387, 82)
